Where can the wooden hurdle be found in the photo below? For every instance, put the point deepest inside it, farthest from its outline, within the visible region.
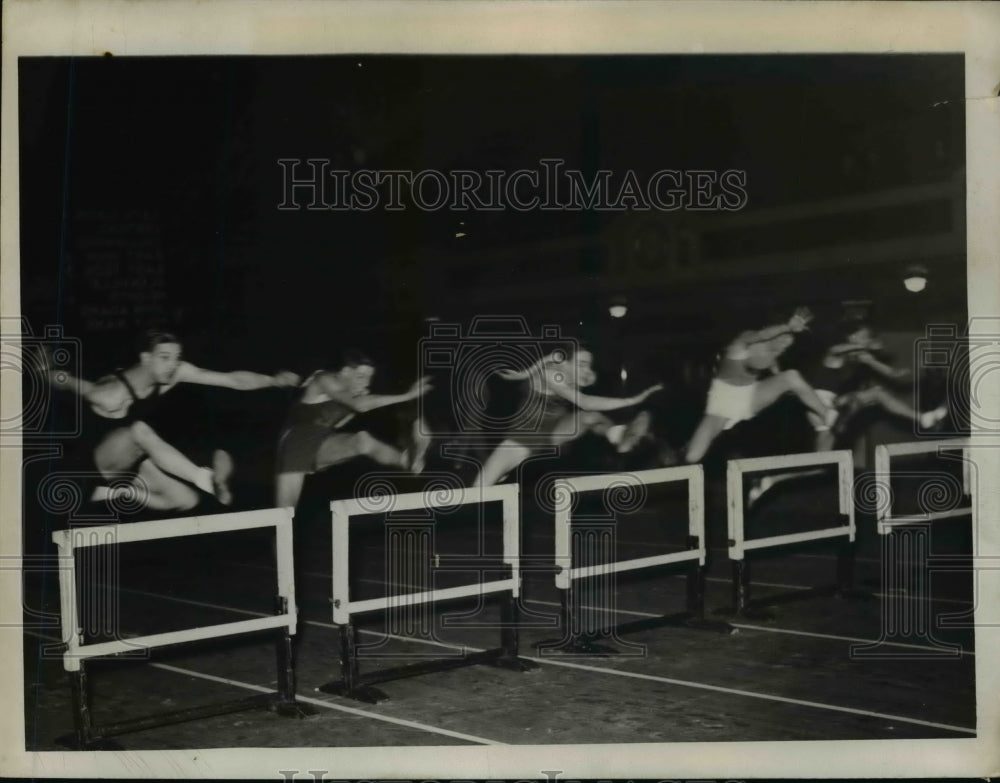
(883, 477)
(579, 636)
(359, 686)
(76, 651)
(739, 545)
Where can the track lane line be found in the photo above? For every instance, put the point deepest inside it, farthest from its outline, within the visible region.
(322, 703)
(640, 676)
(764, 628)
(776, 585)
(633, 612)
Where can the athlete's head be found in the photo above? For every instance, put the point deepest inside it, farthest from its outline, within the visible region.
(356, 371)
(575, 365)
(857, 332)
(159, 354)
(583, 361)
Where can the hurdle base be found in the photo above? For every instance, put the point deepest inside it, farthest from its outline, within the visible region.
(367, 694)
(586, 644)
(292, 709)
(100, 736)
(749, 612)
(758, 609)
(514, 664)
(712, 626)
(577, 646)
(361, 689)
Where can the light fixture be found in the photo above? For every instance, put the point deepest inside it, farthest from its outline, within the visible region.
(915, 279)
(618, 308)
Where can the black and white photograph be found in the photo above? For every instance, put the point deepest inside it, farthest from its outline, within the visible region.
(516, 375)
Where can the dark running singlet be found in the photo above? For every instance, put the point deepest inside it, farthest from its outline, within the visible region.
(141, 407)
(541, 413)
(307, 426)
(95, 428)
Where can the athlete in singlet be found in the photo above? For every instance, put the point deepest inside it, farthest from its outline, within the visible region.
(122, 450)
(739, 391)
(554, 384)
(321, 430)
(847, 378)
(842, 378)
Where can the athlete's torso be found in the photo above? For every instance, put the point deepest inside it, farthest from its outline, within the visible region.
(317, 408)
(125, 404)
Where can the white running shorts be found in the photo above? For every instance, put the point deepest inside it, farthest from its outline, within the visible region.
(733, 403)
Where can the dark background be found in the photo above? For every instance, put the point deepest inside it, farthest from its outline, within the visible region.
(149, 192)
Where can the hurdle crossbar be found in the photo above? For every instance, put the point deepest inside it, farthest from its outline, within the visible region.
(76, 651)
(567, 573)
(884, 453)
(567, 487)
(353, 684)
(739, 545)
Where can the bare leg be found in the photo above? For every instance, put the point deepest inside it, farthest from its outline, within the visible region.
(505, 458)
(821, 416)
(117, 452)
(708, 430)
(288, 489)
(769, 390)
(881, 397)
(165, 493)
(340, 448)
(764, 483)
(825, 438)
(420, 442)
(170, 460)
(573, 425)
(825, 441)
(222, 469)
(635, 431)
(622, 436)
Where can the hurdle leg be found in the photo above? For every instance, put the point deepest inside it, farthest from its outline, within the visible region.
(743, 605)
(741, 586)
(510, 638)
(569, 641)
(696, 591)
(846, 574)
(845, 569)
(583, 639)
(284, 703)
(351, 684)
(695, 611)
(575, 640)
(83, 724)
(83, 736)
